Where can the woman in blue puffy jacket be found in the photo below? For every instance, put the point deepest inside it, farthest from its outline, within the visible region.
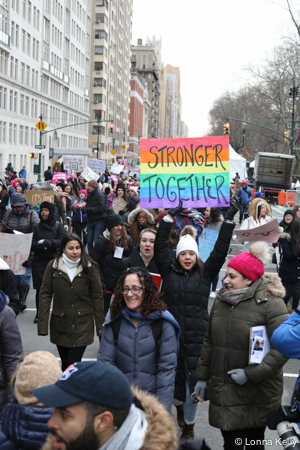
(24, 424)
(140, 337)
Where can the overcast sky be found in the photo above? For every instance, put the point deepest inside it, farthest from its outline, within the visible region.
(211, 41)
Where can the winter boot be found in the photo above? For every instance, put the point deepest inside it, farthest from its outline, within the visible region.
(180, 416)
(37, 296)
(187, 432)
(24, 289)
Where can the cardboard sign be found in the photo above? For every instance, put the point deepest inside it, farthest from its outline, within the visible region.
(88, 174)
(131, 161)
(39, 196)
(74, 162)
(194, 170)
(15, 249)
(58, 176)
(97, 165)
(267, 233)
(206, 243)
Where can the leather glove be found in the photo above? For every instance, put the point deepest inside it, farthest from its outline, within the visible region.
(66, 227)
(233, 209)
(199, 390)
(47, 243)
(26, 263)
(121, 212)
(175, 211)
(77, 210)
(83, 210)
(238, 376)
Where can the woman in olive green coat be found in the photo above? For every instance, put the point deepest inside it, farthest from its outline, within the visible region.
(242, 394)
(74, 282)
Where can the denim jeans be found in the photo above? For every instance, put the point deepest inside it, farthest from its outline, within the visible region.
(24, 279)
(94, 230)
(189, 408)
(243, 211)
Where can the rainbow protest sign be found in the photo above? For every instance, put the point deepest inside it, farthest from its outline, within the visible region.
(195, 170)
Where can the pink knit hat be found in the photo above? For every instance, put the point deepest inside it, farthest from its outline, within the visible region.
(245, 182)
(84, 191)
(251, 265)
(133, 188)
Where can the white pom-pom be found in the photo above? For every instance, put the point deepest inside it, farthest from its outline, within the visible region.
(260, 250)
(189, 229)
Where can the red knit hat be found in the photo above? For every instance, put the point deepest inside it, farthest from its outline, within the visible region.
(251, 265)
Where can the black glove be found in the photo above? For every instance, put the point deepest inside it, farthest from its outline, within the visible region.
(175, 211)
(83, 210)
(26, 263)
(77, 210)
(47, 243)
(281, 414)
(122, 212)
(234, 208)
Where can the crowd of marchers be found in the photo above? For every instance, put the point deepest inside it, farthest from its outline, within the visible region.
(102, 265)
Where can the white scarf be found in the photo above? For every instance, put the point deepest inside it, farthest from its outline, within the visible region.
(71, 266)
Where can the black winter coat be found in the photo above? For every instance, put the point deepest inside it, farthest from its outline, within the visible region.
(24, 427)
(95, 206)
(132, 202)
(135, 260)
(8, 286)
(53, 232)
(289, 269)
(186, 294)
(3, 204)
(110, 267)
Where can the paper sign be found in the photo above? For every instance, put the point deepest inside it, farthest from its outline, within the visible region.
(39, 196)
(206, 243)
(157, 280)
(98, 165)
(259, 344)
(74, 162)
(58, 176)
(15, 249)
(131, 161)
(118, 252)
(195, 170)
(267, 233)
(116, 169)
(88, 174)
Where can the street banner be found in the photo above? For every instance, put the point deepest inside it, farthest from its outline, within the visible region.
(97, 165)
(74, 163)
(89, 175)
(206, 243)
(194, 170)
(131, 161)
(39, 196)
(58, 176)
(267, 233)
(15, 249)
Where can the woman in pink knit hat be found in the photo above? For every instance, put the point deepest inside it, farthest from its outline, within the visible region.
(242, 394)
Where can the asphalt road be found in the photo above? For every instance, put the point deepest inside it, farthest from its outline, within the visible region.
(32, 342)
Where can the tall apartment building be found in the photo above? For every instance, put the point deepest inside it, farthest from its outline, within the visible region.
(110, 75)
(44, 69)
(173, 75)
(145, 59)
(165, 105)
(138, 88)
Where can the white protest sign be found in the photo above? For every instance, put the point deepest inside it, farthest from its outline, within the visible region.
(131, 161)
(116, 169)
(74, 162)
(89, 175)
(98, 165)
(267, 233)
(14, 250)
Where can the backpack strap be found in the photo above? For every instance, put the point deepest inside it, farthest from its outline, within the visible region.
(157, 329)
(52, 268)
(116, 325)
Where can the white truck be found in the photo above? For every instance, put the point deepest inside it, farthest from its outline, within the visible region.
(273, 173)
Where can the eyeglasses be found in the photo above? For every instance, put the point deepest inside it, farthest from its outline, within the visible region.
(134, 290)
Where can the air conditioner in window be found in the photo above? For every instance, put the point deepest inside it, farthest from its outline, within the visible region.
(95, 84)
(97, 20)
(94, 131)
(95, 101)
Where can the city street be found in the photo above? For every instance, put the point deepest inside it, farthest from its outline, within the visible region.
(32, 342)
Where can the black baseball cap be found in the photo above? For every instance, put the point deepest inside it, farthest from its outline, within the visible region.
(93, 381)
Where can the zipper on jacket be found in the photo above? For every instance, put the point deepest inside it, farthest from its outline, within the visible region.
(225, 375)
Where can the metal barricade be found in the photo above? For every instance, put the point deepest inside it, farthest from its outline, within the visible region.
(290, 198)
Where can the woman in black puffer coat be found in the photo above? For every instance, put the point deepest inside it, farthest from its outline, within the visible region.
(186, 287)
(47, 236)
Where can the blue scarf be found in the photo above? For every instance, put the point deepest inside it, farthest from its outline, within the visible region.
(155, 316)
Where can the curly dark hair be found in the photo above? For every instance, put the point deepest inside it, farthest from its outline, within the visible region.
(215, 215)
(152, 300)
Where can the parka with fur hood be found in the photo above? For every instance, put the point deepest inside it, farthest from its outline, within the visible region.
(252, 221)
(135, 227)
(226, 347)
(161, 432)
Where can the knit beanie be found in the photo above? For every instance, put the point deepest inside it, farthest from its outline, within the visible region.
(259, 195)
(133, 188)
(245, 182)
(187, 241)
(38, 369)
(23, 186)
(251, 265)
(93, 184)
(289, 211)
(121, 185)
(84, 191)
(62, 185)
(112, 221)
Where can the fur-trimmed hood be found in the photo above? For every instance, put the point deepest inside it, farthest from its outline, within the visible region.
(161, 433)
(253, 207)
(274, 287)
(134, 215)
(285, 235)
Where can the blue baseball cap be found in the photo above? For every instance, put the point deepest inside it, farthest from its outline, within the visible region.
(94, 381)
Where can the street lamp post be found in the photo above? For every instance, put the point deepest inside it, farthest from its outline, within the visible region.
(293, 95)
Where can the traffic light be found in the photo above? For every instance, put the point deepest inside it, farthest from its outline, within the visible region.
(227, 128)
(287, 137)
(33, 155)
(111, 127)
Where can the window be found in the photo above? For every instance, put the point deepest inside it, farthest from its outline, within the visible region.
(100, 34)
(5, 98)
(27, 106)
(34, 17)
(26, 136)
(11, 100)
(24, 8)
(46, 30)
(21, 134)
(4, 133)
(21, 104)
(38, 20)
(17, 36)
(28, 76)
(15, 135)
(15, 101)
(99, 98)
(23, 43)
(101, 18)
(28, 44)
(10, 128)
(29, 12)
(23, 73)
(100, 66)
(16, 69)
(100, 50)
(12, 33)
(101, 82)
(33, 48)
(102, 3)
